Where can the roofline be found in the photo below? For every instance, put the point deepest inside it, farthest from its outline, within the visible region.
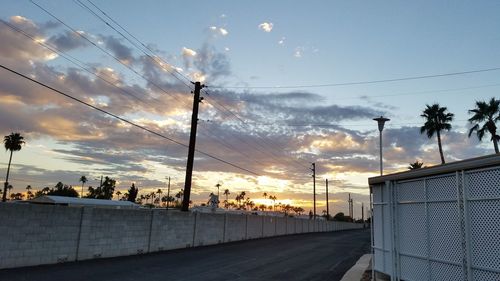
(468, 164)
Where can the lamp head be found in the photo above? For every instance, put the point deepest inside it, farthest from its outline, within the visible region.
(381, 121)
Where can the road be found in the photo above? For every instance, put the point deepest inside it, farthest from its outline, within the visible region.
(318, 256)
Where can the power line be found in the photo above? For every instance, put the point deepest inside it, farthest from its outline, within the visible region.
(361, 82)
(271, 153)
(142, 46)
(123, 119)
(105, 51)
(70, 58)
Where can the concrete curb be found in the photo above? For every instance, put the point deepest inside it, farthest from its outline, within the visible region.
(356, 272)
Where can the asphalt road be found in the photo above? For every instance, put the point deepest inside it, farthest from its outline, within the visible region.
(319, 256)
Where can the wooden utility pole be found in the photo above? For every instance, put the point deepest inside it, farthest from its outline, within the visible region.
(313, 169)
(192, 143)
(327, 208)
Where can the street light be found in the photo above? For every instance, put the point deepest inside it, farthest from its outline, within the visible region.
(381, 121)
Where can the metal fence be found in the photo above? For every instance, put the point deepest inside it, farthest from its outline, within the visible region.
(440, 223)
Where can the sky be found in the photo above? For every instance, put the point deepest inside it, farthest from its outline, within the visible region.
(264, 109)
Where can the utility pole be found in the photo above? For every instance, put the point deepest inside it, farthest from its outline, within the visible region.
(192, 143)
(168, 193)
(313, 169)
(363, 213)
(350, 207)
(327, 208)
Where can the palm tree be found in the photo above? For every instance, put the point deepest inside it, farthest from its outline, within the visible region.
(274, 198)
(12, 142)
(159, 191)
(29, 194)
(118, 193)
(83, 180)
(436, 120)
(416, 165)
(265, 195)
(9, 188)
(489, 113)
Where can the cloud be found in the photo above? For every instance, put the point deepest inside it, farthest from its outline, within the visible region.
(67, 41)
(266, 26)
(20, 47)
(119, 50)
(219, 30)
(186, 52)
(223, 31)
(282, 41)
(298, 52)
(212, 64)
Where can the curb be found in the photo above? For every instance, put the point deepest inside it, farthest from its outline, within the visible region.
(356, 272)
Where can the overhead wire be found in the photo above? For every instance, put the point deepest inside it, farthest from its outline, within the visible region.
(273, 155)
(146, 47)
(124, 120)
(138, 47)
(362, 82)
(71, 59)
(107, 53)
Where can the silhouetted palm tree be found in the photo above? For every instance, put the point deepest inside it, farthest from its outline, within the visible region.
(12, 142)
(118, 193)
(159, 192)
(416, 165)
(29, 194)
(489, 113)
(83, 180)
(436, 120)
(274, 198)
(226, 203)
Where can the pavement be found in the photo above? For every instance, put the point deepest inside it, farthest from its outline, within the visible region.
(356, 272)
(314, 256)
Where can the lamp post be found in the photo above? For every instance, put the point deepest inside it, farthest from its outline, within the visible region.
(381, 121)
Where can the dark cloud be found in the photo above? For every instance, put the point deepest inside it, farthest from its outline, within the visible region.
(119, 50)
(67, 41)
(211, 63)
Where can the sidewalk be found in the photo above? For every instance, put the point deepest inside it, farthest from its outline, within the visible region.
(356, 272)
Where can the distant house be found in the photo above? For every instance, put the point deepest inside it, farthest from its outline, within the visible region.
(83, 202)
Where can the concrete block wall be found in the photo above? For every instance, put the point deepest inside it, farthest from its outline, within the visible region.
(172, 230)
(235, 229)
(281, 228)
(32, 236)
(43, 234)
(114, 232)
(209, 229)
(269, 227)
(254, 228)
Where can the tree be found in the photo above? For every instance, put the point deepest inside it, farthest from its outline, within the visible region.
(489, 113)
(132, 193)
(118, 193)
(274, 198)
(179, 195)
(9, 188)
(12, 142)
(159, 192)
(63, 190)
(436, 120)
(265, 195)
(416, 165)
(105, 191)
(340, 217)
(29, 193)
(83, 180)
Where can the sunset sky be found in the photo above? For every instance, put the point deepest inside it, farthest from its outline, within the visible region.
(273, 103)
